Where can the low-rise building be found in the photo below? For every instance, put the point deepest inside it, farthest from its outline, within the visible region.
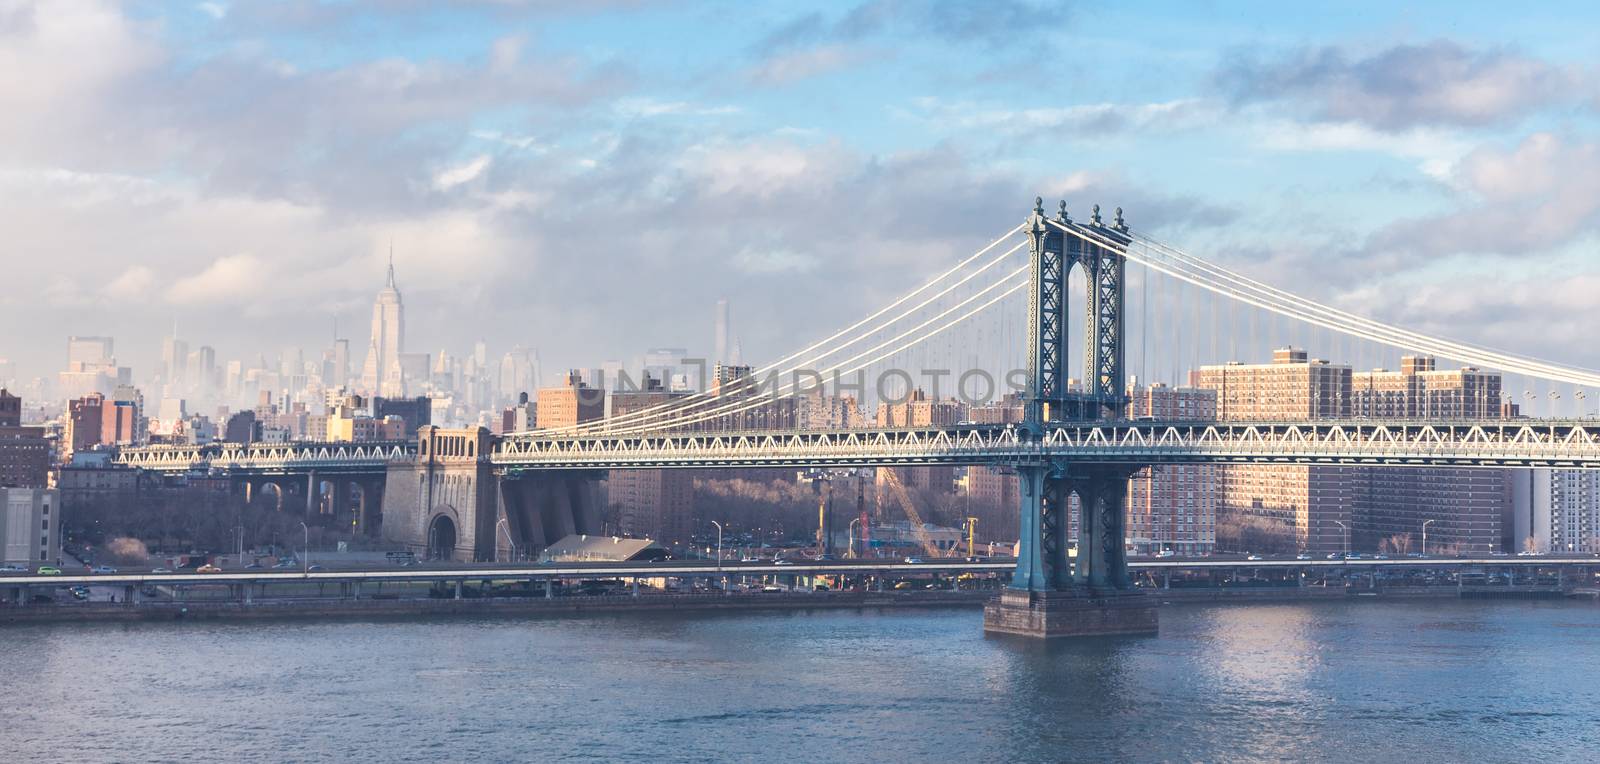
(30, 527)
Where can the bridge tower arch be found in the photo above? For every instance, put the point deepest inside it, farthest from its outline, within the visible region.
(1051, 594)
(443, 534)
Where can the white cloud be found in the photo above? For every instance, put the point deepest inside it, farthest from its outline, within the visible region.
(215, 10)
(1095, 118)
(228, 279)
(134, 283)
(1435, 151)
(650, 107)
(450, 177)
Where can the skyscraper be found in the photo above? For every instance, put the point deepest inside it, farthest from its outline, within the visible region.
(382, 373)
(721, 339)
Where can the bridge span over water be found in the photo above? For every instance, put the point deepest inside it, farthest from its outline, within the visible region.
(453, 490)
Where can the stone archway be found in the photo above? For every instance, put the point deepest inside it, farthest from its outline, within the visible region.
(442, 538)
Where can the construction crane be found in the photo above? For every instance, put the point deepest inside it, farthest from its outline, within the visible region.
(917, 527)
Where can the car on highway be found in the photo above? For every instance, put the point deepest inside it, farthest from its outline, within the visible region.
(208, 568)
(286, 563)
(103, 569)
(314, 568)
(1334, 555)
(1166, 553)
(48, 570)
(1302, 556)
(770, 589)
(913, 560)
(13, 569)
(1253, 557)
(161, 570)
(904, 585)
(782, 562)
(79, 593)
(749, 559)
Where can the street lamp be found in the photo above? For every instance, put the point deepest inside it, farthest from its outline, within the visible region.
(305, 557)
(719, 544)
(852, 533)
(1425, 537)
(722, 579)
(503, 525)
(1346, 537)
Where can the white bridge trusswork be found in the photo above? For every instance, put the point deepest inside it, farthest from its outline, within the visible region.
(270, 458)
(1488, 443)
(1474, 443)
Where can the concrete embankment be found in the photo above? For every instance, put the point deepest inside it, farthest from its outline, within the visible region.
(488, 606)
(167, 610)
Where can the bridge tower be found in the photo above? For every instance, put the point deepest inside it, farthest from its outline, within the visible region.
(1052, 594)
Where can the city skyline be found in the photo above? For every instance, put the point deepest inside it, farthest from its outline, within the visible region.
(868, 380)
(1408, 125)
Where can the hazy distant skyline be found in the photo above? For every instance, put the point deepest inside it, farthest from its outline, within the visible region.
(591, 182)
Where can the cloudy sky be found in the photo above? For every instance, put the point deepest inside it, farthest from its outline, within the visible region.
(590, 182)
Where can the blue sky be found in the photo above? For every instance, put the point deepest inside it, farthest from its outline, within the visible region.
(589, 181)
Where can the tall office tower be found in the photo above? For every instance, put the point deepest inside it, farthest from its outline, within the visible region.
(174, 361)
(517, 372)
(86, 353)
(382, 373)
(91, 367)
(722, 329)
(1281, 508)
(292, 362)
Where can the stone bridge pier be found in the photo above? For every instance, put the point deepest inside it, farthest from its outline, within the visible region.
(539, 509)
(342, 499)
(452, 504)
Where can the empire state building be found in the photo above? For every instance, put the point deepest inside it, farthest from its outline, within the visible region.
(381, 375)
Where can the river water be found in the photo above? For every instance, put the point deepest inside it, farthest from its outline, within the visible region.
(1362, 681)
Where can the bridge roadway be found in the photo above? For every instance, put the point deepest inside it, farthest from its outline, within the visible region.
(1573, 444)
(1472, 443)
(703, 568)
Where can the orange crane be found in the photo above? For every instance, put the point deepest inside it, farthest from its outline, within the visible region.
(917, 526)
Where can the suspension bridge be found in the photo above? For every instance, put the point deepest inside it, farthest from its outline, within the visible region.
(1002, 319)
